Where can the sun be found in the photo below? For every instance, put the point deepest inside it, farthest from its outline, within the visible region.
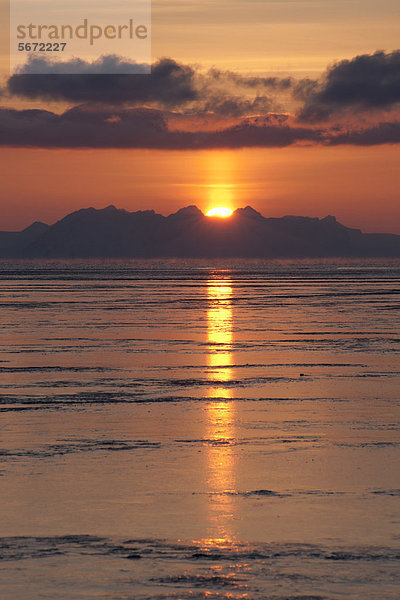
(220, 211)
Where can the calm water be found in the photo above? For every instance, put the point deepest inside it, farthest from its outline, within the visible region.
(172, 430)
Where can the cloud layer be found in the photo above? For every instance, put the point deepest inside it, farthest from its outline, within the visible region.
(178, 106)
(364, 83)
(170, 85)
(81, 127)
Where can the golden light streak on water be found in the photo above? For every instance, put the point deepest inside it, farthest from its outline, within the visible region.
(220, 431)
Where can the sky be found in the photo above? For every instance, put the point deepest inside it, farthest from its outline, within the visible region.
(290, 106)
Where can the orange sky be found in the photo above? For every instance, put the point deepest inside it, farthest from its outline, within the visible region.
(359, 185)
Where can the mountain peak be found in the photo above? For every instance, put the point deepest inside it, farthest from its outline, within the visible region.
(248, 211)
(111, 209)
(329, 219)
(37, 226)
(188, 211)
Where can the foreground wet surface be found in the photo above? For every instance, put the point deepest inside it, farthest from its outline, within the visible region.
(94, 567)
(171, 430)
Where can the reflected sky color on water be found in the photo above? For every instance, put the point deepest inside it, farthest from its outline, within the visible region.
(177, 431)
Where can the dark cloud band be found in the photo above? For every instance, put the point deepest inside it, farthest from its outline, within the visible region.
(148, 128)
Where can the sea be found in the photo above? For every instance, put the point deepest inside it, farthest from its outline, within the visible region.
(200, 430)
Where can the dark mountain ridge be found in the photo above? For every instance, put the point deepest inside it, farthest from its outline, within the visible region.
(117, 233)
(12, 242)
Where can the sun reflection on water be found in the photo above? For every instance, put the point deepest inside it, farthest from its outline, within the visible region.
(219, 336)
(220, 430)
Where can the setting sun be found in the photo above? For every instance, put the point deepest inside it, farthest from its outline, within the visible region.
(219, 211)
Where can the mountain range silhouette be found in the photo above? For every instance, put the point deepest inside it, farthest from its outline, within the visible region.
(188, 233)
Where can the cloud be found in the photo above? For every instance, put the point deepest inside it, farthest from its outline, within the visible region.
(169, 84)
(249, 134)
(368, 82)
(225, 104)
(105, 65)
(382, 133)
(83, 127)
(271, 83)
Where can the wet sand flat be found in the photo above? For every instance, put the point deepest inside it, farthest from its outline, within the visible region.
(177, 429)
